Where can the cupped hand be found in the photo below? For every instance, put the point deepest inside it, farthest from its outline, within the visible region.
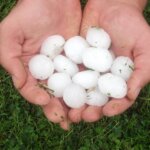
(22, 33)
(130, 36)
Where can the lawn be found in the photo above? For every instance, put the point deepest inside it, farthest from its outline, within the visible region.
(23, 126)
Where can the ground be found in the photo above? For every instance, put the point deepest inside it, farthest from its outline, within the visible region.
(23, 126)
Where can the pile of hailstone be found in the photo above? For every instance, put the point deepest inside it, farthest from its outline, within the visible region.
(102, 75)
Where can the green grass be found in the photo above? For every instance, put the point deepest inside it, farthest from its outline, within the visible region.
(23, 126)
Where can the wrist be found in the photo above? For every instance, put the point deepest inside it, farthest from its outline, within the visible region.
(138, 4)
(47, 1)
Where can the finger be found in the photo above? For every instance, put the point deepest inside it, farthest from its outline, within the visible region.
(11, 51)
(140, 76)
(75, 115)
(116, 107)
(16, 69)
(92, 114)
(33, 92)
(90, 18)
(73, 25)
(65, 125)
(54, 111)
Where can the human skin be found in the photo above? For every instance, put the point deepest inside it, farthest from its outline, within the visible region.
(130, 34)
(22, 33)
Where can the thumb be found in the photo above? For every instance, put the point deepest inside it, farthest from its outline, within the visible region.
(140, 76)
(90, 18)
(11, 51)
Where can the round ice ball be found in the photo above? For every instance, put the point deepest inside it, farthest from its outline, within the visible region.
(74, 48)
(74, 96)
(63, 64)
(97, 59)
(58, 82)
(87, 79)
(41, 67)
(96, 98)
(52, 46)
(112, 86)
(123, 67)
(98, 37)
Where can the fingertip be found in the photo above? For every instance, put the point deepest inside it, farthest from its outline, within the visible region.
(75, 117)
(19, 82)
(54, 111)
(134, 84)
(116, 106)
(109, 113)
(65, 125)
(92, 114)
(75, 114)
(133, 93)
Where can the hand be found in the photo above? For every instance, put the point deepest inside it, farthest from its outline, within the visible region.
(130, 36)
(22, 33)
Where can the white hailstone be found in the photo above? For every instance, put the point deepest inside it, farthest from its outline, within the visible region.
(97, 37)
(74, 96)
(112, 85)
(123, 67)
(58, 82)
(63, 64)
(96, 98)
(74, 48)
(97, 59)
(41, 67)
(52, 46)
(87, 79)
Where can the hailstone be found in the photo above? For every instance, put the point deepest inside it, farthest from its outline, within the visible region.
(63, 64)
(112, 86)
(52, 46)
(97, 59)
(123, 67)
(74, 96)
(87, 79)
(41, 67)
(74, 48)
(58, 82)
(97, 37)
(96, 98)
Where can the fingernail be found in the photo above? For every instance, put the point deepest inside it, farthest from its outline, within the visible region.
(133, 94)
(16, 82)
(65, 125)
(137, 92)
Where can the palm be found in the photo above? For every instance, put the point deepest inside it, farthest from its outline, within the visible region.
(50, 21)
(125, 26)
(31, 24)
(128, 40)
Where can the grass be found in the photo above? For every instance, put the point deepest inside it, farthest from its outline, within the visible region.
(23, 126)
